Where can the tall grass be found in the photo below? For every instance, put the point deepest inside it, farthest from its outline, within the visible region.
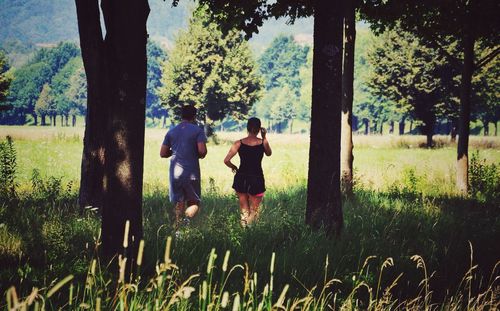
(408, 242)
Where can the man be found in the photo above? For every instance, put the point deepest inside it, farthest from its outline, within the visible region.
(185, 143)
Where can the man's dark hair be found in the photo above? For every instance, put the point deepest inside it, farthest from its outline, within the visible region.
(253, 125)
(188, 112)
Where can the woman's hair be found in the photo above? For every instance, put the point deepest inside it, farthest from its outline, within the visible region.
(253, 125)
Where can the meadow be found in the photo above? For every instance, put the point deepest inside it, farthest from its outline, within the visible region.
(409, 241)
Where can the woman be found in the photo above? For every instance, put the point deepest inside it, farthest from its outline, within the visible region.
(249, 178)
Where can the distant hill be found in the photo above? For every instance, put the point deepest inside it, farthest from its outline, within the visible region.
(41, 22)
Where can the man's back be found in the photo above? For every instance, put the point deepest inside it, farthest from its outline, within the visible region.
(183, 140)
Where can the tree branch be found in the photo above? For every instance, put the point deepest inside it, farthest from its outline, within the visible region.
(488, 58)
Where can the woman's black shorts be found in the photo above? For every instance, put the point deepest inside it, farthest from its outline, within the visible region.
(251, 184)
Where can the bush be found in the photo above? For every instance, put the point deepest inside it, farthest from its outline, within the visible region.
(484, 179)
(8, 167)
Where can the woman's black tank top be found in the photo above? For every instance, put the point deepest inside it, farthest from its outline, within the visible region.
(250, 159)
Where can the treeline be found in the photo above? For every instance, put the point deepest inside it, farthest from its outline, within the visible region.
(400, 81)
(53, 84)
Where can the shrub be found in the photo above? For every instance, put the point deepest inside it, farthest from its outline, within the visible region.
(8, 167)
(484, 179)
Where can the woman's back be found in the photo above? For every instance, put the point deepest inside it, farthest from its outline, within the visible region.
(251, 155)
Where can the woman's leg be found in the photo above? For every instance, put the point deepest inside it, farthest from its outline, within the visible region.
(244, 208)
(255, 201)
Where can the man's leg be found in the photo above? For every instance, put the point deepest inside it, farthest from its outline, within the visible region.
(179, 213)
(192, 209)
(255, 201)
(244, 208)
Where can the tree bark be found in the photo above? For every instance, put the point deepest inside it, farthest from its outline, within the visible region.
(323, 189)
(54, 120)
(62, 120)
(73, 120)
(411, 126)
(35, 118)
(496, 128)
(402, 126)
(125, 50)
(66, 117)
(391, 127)
(92, 47)
(346, 156)
(463, 129)
(367, 126)
(42, 117)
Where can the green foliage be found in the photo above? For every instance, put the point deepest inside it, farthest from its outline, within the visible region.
(410, 77)
(8, 167)
(280, 63)
(5, 78)
(61, 83)
(484, 179)
(211, 71)
(76, 92)
(29, 80)
(156, 56)
(45, 103)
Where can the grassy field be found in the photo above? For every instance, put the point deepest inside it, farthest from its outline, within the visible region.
(404, 205)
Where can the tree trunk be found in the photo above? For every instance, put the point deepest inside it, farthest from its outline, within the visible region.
(42, 119)
(62, 120)
(346, 148)
(429, 129)
(402, 126)
(323, 188)
(54, 120)
(66, 117)
(391, 127)
(367, 126)
(486, 131)
(73, 120)
(35, 118)
(411, 126)
(381, 127)
(92, 47)
(496, 128)
(453, 132)
(125, 47)
(463, 129)
(291, 126)
(164, 122)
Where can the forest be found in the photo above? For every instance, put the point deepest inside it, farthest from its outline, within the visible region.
(382, 189)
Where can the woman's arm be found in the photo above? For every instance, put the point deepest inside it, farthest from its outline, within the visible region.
(232, 152)
(267, 148)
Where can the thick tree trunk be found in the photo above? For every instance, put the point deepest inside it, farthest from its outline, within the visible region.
(66, 117)
(54, 120)
(92, 46)
(496, 128)
(429, 131)
(391, 127)
(125, 47)
(42, 117)
(73, 120)
(324, 206)
(463, 129)
(402, 126)
(35, 118)
(346, 155)
(381, 127)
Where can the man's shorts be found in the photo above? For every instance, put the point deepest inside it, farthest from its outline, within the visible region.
(185, 190)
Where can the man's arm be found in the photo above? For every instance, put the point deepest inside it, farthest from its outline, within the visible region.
(165, 151)
(202, 149)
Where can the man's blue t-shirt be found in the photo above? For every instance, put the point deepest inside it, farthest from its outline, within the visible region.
(183, 139)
